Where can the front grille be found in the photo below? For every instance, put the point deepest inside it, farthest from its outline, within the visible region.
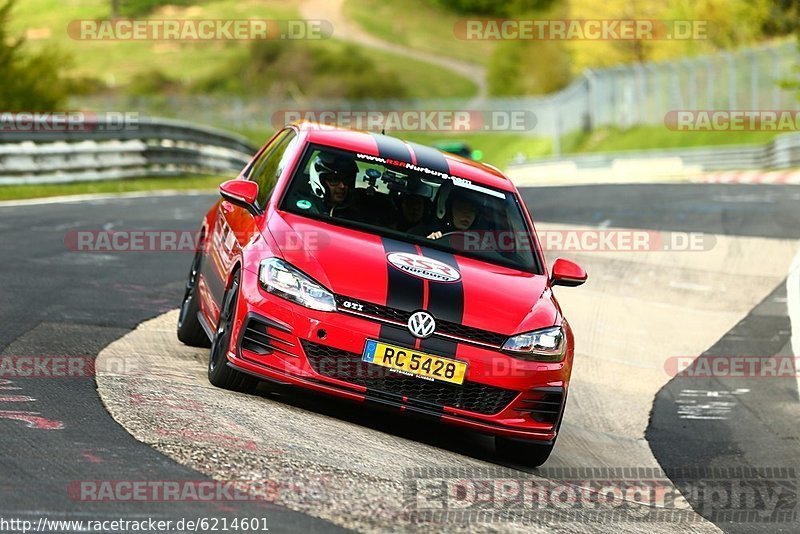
(442, 327)
(256, 338)
(347, 366)
(543, 404)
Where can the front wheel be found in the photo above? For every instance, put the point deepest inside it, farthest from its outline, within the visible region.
(528, 453)
(219, 374)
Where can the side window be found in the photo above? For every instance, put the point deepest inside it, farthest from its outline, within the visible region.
(269, 167)
(250, 173)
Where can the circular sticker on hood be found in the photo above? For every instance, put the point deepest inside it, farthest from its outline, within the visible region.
(423, 267)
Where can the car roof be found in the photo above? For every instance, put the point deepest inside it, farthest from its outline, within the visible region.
(369, 143)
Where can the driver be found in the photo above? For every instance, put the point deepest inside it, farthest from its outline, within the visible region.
(461, 211)
(332, 178)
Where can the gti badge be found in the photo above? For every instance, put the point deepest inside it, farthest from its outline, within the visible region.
(421, 324)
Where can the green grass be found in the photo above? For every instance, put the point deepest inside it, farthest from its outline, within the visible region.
(501, 149)
(417, 24)
(424, 80)
(17, 192)
(652, 137)
(498, 149)
(116, 63)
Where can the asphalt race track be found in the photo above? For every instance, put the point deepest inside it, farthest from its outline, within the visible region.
(61, 303)
(332, 464)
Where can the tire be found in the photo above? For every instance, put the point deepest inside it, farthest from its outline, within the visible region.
(528, 453)
(219, 374)
(190, 332)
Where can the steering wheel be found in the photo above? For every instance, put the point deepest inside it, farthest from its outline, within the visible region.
(454, 232)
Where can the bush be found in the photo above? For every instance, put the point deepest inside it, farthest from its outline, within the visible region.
(152, 82)
(533, 66)
(138, 8)
(492, 8)
(30, 81)
(310, 69)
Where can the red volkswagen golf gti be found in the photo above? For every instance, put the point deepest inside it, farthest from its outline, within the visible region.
(382, 271)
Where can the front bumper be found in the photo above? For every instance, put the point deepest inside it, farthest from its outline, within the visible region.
(283, 342)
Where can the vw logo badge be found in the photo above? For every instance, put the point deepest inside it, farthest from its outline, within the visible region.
(421, 324)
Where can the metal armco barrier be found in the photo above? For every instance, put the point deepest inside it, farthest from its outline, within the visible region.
(103, 150)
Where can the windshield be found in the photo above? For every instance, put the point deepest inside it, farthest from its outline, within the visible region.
(412, 203)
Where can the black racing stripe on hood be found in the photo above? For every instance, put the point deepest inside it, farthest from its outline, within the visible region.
(445, 299)
(391, 147)
(437, 345)
(403, 291)
(445, 302)
(430, 158)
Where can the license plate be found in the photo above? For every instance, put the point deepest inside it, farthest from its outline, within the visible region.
(411, 362)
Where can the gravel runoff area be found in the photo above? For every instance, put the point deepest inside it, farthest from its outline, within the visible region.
(349, 474)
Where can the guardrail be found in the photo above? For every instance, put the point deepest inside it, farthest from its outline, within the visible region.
(781, 153)
(103, 149)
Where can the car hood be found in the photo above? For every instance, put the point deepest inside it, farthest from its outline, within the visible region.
(381, 270)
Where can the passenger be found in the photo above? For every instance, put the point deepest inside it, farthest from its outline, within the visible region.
(461, 211)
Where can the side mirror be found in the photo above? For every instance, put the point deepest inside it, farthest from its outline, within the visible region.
(567, 273)
(242, 193)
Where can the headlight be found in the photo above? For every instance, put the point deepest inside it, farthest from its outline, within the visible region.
(280, 278)
(546, 345)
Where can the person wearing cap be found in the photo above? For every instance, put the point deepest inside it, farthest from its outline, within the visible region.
(412, 209)
(413, 206)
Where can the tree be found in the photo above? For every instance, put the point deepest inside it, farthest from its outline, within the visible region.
(31, 82)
